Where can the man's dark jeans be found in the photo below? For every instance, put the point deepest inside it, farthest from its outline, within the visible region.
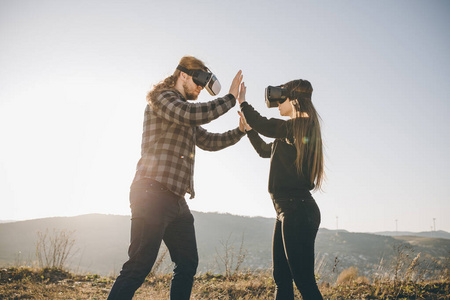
(156, 215)
(295, 232)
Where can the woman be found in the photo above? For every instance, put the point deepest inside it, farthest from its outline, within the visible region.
(296, 168)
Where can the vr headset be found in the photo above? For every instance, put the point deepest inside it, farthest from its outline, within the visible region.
(279, 94)
(206, 79)
(275, 95)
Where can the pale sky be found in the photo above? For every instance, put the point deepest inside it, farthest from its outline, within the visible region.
(74, 76)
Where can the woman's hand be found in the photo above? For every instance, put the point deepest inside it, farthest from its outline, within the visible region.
(241, 97)
(234, 88)
(243, 126)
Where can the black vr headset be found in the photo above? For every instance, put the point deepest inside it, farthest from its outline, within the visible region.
(275, 95)
(203, 78)
(279, 94)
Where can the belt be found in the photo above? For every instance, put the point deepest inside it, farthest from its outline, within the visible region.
(148, 182)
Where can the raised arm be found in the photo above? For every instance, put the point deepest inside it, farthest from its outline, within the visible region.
(262, 148)
(170, 106)
(216, 141)
(274, 128)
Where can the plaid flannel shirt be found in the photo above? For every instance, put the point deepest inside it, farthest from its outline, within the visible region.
(171, 131)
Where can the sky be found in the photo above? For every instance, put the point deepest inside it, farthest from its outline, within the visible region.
(74, 76)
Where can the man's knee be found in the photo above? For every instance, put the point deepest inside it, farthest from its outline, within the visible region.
(187, 268)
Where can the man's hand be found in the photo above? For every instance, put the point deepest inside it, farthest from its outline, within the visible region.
(234, 88)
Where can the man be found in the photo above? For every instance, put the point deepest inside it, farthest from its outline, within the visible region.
(165, 174)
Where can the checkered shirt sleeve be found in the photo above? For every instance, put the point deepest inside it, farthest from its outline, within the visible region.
(171, 127)
(217, 141)
(170, 106)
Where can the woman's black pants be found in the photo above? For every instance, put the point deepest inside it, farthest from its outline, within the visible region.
(294, 235)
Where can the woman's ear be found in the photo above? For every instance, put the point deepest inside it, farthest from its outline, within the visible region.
(295, 108)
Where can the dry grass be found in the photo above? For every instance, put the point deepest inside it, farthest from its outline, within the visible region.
(51, 283)
(27, 283)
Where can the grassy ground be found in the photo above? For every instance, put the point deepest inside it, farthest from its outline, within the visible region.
(28, 283)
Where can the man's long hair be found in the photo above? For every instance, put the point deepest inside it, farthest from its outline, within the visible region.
(307, 134)
(189, 62)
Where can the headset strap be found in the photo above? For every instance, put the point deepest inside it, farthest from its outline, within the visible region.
(187, 71)
(191, 72)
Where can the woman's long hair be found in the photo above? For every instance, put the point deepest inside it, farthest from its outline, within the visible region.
(189, 62)
(306, 131)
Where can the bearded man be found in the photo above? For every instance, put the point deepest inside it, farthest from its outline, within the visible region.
(165, 172)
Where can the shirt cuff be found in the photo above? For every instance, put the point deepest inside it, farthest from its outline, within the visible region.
(251, 132)
(232, 98)
(244, 104)
(241, 134)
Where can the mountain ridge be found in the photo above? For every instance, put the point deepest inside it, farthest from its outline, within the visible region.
(102, 241)
(435, 234)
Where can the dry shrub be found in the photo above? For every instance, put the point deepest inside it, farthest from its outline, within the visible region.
(347, 276)
(53, 251)
(362, 280)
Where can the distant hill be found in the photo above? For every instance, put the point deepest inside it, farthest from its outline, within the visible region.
(103, 241)
(432, 234)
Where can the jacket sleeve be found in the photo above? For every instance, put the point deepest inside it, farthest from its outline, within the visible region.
(262, 148)
(216, 141)
(170, 106)
(274, 128)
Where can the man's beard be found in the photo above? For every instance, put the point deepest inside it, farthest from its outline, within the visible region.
(190, 94)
